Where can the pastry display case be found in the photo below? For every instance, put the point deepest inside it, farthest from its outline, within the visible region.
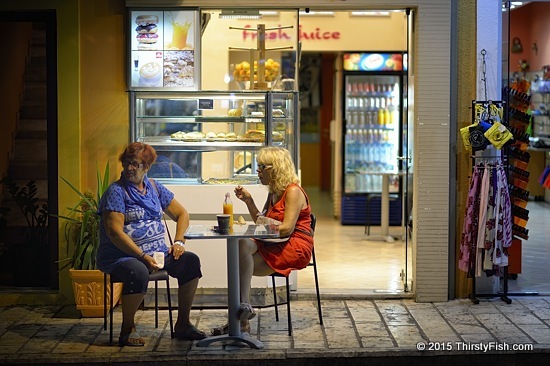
(212, 137)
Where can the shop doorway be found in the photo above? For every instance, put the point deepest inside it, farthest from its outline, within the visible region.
(28, 234)
(347, 262)
(524, 58)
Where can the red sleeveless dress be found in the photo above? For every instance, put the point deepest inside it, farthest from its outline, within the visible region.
(296, 252)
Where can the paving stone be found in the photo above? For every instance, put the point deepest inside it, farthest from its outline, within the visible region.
(377, 342)
(354, 333)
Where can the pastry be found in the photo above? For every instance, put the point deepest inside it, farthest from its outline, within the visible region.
(143, 20)
(254, 135)
(147, 29)
(231, 136)
(180, 135)
(278, 113)
(211, 136)
(236, 112)
(277, 137)
(220, 136)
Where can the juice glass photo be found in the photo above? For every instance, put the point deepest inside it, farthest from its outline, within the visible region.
(179, 34)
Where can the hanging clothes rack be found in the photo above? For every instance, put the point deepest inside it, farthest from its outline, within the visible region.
(492, 163)
(510, 120)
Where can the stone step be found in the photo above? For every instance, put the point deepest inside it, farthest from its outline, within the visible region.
(29, 149)
(34, 135)
(35, 72)
(30, 125)
(38, 39)
(33, 110)
(35, 91)
(25, 170)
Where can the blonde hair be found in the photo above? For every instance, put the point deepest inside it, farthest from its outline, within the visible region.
(283, 170)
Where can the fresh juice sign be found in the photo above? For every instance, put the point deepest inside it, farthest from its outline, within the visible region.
(317, 34)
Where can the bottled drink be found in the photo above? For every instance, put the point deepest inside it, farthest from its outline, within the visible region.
(381, 117)
(387, 116)
(228, 209)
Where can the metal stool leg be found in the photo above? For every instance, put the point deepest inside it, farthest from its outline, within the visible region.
(288, 307)
(111, 311)
(105, 301)
(317, 288)
(156, 304)
(169, 308)
(275, 298)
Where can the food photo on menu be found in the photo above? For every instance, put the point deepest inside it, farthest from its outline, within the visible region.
(179, 68)
(147, 68)
(163, 49)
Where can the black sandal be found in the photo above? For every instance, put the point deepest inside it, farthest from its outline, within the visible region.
(191, 334)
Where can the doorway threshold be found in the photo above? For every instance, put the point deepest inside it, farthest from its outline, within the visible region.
(351, 294)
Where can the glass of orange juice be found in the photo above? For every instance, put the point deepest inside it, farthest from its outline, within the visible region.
(179, 35)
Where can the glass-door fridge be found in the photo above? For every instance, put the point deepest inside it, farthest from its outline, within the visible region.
(372, 114)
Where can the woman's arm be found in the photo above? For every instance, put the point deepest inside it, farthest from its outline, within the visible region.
(179, 214)
(246, 197)
(295, 201)
(114, 225)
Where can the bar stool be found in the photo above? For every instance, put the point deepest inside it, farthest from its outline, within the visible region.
(313, 264)
(161, 275)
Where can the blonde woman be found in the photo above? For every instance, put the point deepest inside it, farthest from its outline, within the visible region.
(288, 204)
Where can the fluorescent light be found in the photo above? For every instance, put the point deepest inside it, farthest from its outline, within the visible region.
(268, 13)
(370, 13)
(240, 14)
(317, 13)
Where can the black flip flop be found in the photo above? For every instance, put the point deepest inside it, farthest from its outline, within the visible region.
(190, 334)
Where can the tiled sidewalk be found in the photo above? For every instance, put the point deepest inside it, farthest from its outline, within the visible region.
(355, 332)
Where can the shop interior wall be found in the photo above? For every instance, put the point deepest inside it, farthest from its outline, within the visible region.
(530, 25)
(216, 59)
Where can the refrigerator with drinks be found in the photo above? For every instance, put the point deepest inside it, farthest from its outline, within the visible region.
(372, 119)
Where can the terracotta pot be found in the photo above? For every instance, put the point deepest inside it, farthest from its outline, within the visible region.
(88, 292)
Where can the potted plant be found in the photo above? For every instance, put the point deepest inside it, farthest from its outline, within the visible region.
(82, 236)
(31, 246)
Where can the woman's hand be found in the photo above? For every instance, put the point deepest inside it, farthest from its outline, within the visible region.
(151, 264)
(176, 250)
(242, 194)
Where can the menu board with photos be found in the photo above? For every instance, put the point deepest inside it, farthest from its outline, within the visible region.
(163, 50)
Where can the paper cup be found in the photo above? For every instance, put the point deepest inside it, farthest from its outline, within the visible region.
(223, 223)
(159, 258)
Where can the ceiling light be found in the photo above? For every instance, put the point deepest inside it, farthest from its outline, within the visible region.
(317, 13)
(240, 14)
(370, 13)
